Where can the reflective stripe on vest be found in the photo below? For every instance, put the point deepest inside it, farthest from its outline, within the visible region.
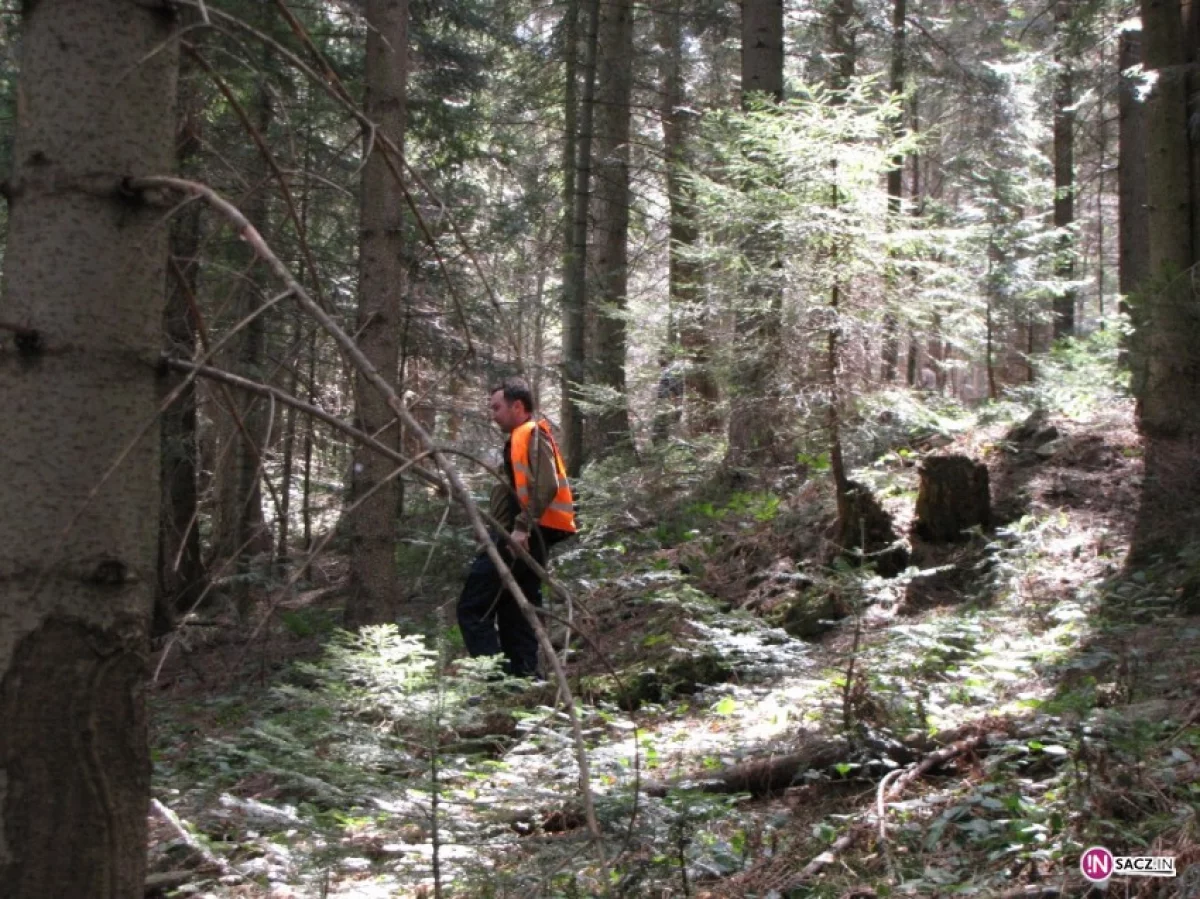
(560, 514)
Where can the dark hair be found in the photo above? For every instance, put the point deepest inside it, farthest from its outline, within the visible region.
(515, 389)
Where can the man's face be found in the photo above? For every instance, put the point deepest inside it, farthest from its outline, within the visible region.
(506, 415)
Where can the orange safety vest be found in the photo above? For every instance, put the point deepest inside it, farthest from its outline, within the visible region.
(560, 514)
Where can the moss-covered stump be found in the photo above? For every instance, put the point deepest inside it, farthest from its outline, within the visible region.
(953, 498)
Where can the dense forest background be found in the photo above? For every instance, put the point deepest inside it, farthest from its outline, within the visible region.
(868, 330)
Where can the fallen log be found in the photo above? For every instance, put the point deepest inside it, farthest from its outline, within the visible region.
(761, 777)
(774, 774)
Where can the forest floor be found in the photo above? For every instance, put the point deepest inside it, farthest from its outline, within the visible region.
(748, 708)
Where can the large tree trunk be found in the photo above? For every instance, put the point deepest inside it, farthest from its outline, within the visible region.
(1170, 392)
(753, 424)
(610, 263)
(374, 592)
(1064, 169)
(1133, 228)
(577, 163)
(85, 279)
(700, 393)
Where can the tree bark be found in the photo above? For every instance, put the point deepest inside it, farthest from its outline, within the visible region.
(700, 394)
(953, 498)
(1170, 392)
(842, 43)
(1133, 227)
(895, 187)
(239, 530)
(181, 575)
(849, 517)
(306, 509)
(85, 273)
(610, 261)
(914, 347)
(374, 592)
(1169, 401)
(1064, 169)
(303, 353)
(762, 48)
(287, 475)
(579, 149)
(753, 438)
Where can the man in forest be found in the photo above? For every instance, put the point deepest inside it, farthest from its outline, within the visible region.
(537, 509)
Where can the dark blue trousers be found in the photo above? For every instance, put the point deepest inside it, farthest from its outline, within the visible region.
(489, 618)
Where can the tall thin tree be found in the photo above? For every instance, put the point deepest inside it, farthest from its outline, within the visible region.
(753, 424)
(577, 165)
(1064, 166)
(843, 49)
(609, 262)
(1133, 228)
(895, 183)
(685, 296)
(374, 591)
(180, 566)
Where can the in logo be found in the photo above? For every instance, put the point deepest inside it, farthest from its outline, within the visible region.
(1097, 864)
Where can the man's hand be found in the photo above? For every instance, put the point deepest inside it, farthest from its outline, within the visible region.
(521, 538)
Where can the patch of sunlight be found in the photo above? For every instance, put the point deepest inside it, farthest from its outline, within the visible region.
(991, 665)
(755, 651)
(731, 723)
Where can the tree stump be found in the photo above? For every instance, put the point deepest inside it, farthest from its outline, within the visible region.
(866, 526)
(953, 498)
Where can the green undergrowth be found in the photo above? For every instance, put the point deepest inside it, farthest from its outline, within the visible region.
(719, 635)
(1089, 740)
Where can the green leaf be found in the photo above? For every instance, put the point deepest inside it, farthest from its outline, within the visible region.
(727, 706)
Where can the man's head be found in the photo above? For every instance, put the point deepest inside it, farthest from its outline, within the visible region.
(511, 403)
